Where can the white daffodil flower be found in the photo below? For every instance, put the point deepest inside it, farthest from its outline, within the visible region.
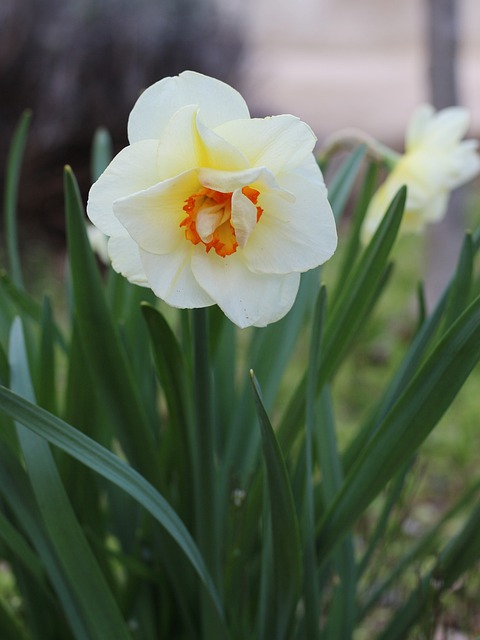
(209, 206)
(436, 160)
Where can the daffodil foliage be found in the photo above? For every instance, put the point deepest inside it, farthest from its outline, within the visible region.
(170, 467)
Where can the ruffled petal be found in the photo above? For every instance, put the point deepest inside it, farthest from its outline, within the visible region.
(133, 169)
(229, 181)
(217, 101)
(279, 143)
(244, 217)
(125, 257)
(246, 298)
(293, 236)
(171, 279)
(177, 147)
(152, 217)
(214, 151)
(445, 129)
(419, 121)
(464, 163)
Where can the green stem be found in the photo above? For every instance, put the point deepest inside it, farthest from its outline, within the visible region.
(352, 137)
(206, 521)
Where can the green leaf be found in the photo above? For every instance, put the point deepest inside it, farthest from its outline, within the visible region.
(109, 466)
(341, 619)
(41, 612)
(426, 546)
(461, 553)
(353, 243)
(425, 337)
(45, 373)
(269, 353)
(10, 628)
(26, 306)
(17, 544)
(285, 530)
(102, 152)
(407, 424)
(311, 590)
(12, 179)
(170, 364)
(97, 615)
(171, 369)
(354, 301)
(102, 346)
(344, 179)
(460, 287)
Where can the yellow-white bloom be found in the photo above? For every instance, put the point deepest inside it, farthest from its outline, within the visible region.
(209, 206)
(436, 160)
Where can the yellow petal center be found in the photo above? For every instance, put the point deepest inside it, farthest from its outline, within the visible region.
(209, 219)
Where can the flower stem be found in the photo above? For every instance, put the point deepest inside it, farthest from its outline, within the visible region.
(350, 138)
(206, 508)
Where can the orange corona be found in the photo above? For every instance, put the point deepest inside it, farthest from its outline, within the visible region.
(215, 203)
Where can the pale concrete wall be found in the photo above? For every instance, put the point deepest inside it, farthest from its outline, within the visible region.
(338, 63)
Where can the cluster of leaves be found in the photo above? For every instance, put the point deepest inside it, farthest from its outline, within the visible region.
(143, 490)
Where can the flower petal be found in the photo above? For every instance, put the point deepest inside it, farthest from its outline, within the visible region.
(229, 181)
(464, 163)
(246, 298)
(125, 257)
(280, 143)
(152, 217)
(133, 169)
(244, 216)
(171, 279)
(443, 130)
(293, 237)
(177, 147)
(419, 121)
(217, 101)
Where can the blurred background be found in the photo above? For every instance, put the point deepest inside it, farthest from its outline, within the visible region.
(81, 64)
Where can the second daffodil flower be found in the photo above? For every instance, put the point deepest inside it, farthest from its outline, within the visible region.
(209, 206)
(436, 160)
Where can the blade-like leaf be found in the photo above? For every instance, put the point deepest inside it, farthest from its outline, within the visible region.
(355, 299)
(12, 179)
(171, 370)
(311, 590)
(350, 310)
(97, 610)
(41, 611)
(101, 152)
(285, 530)
(102, 346)
(426, 545)
(341, 619)
(26, 306)
(353, 243)
(462, 552)
(109, 466)
(22, 551)
(408, 423)
(343, 181)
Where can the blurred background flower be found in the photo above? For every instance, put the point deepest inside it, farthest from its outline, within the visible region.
(436, 161)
